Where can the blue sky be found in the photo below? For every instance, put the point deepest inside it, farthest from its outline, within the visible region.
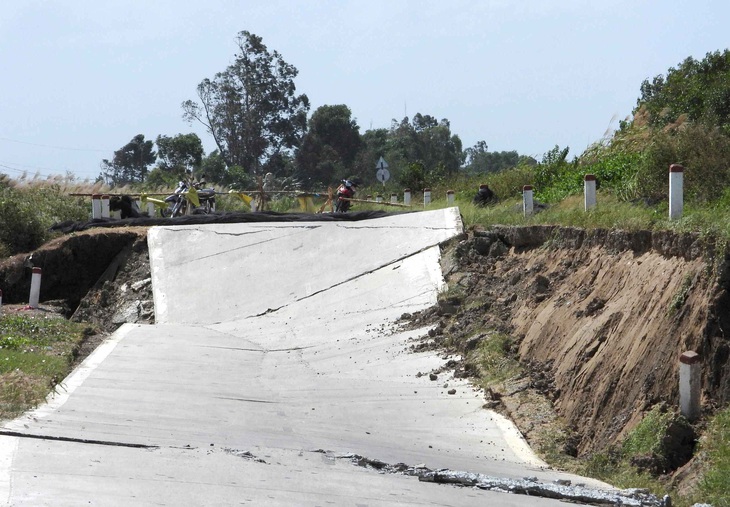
(79, 79)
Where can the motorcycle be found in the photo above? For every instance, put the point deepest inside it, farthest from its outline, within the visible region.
(345, 191)
(189, 198)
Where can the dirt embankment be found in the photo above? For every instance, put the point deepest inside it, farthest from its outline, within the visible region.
(600, 317)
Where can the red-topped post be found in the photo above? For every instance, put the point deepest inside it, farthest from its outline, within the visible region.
(527, 202)
(426, 197)
(690, 381)
(35, 288)
(407, 196)
(676, 191)
(96, 206)
(450, 197)
(589, 191)
(105, 206)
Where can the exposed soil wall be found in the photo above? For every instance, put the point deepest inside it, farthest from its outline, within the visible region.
(601, 316)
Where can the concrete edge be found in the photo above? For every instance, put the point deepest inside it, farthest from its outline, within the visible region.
(66, 387)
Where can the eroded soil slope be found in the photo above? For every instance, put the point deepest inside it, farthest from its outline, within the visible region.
(600, 318)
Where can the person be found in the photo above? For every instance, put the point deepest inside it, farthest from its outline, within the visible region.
(484, 196)
(346, 190)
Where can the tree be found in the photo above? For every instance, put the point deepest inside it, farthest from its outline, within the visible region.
(481, 161)
(330, 145)
(251, 109)
(698, 90)
(427, 141)
(130, 162)
(179, 154)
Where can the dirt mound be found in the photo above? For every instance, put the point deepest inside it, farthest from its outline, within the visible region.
(98, 276)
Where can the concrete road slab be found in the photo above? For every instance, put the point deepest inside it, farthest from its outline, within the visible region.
(226, 269)
(263, 407)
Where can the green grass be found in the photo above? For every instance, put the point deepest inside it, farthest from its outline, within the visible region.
(714, 487)
(36, 353)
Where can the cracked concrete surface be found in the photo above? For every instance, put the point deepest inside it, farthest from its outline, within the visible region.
(233, 408)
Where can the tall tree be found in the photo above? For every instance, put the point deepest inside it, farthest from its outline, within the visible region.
(130, 163)
(330, 145)
(251, 108)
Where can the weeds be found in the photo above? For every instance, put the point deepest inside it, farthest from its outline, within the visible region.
(36, 353)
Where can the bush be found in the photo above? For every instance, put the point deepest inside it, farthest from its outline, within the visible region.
(27, 213)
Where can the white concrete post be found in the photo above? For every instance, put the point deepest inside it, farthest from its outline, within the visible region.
(426, 197)
(254, 206)
(690, 381)
(407, 197)
(589, 191)
(450, 197)
(378, 198)
(105, 206)
(394, 198)
(35, 288)
(96, 206)
(151, 208)
(527, 203)
(676, 191)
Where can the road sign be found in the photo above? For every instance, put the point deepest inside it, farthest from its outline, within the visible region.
(383, 174)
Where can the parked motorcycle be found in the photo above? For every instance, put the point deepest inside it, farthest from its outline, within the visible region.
(189, 198)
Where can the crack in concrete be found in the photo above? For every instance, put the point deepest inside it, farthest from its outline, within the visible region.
(18, 434)
(348, 280)
(263, 351)
(243, 246)
(559, 490)
(247, 400)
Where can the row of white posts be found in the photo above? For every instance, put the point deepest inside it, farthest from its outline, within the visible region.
(676, 193)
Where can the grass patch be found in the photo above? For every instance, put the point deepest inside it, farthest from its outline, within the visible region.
(36, 353)
(714, 488)
(493, 359)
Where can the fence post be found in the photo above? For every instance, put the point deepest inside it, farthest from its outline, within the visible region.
(378, 198)
(407, 197)
(96, 206)
(527, 203)
(105, 206)
(393, 198)
(450, 197)
(676, 191)
(589, 191)
(35, 288)
(151, 209)
(426, 197)
(689, 384)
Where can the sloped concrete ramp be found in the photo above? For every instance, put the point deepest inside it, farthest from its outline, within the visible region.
(277, 376)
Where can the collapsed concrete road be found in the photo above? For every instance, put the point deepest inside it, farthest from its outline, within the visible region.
(277, 375)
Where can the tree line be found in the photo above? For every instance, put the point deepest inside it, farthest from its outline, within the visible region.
(260, 125)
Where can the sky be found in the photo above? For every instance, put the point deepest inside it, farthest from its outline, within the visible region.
(80, 78)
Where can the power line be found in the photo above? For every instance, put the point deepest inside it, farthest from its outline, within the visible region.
(54, 147)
